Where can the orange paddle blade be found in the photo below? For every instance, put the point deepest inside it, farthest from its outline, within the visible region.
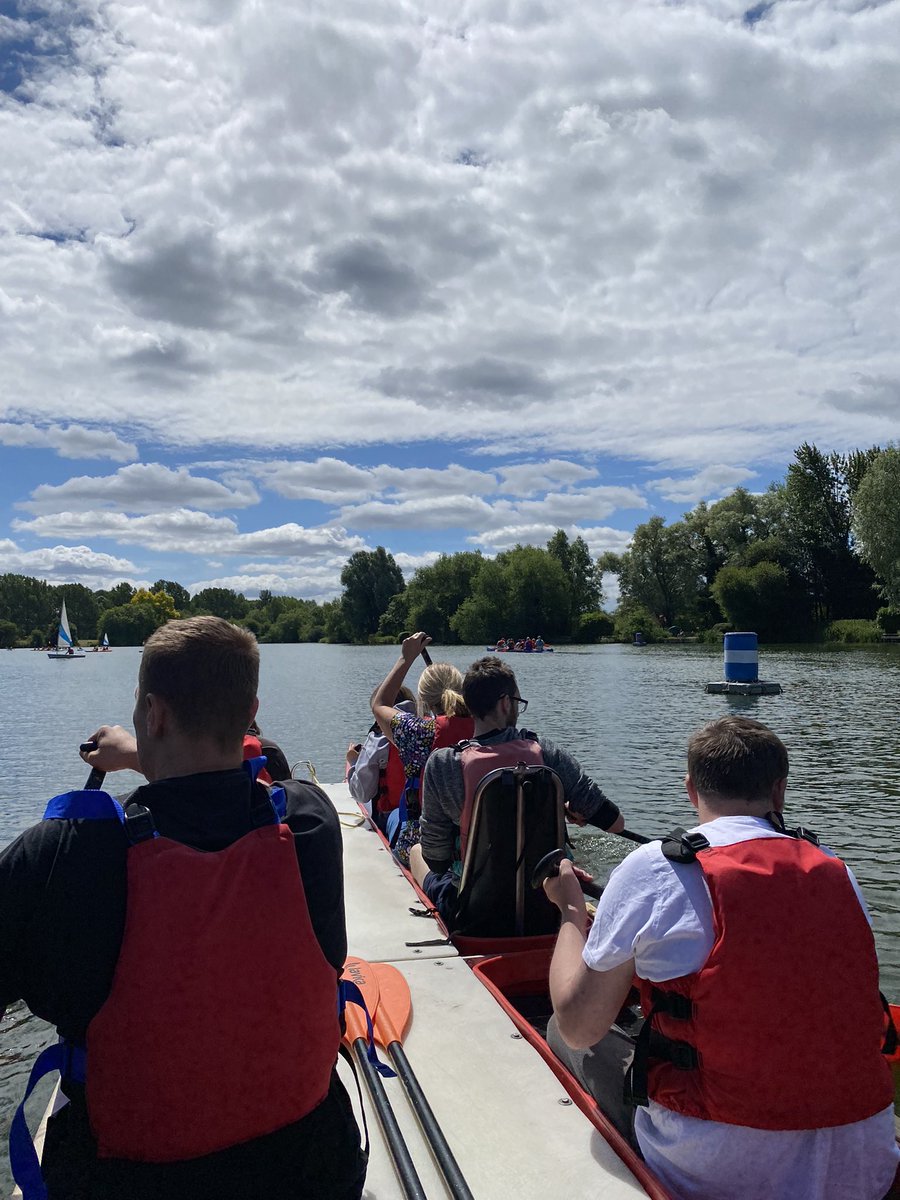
(354, 1025)
(358, 971)
(394, 1004)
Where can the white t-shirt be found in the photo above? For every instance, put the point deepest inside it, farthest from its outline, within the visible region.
(660, 914)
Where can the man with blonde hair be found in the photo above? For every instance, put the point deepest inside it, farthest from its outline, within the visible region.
(751, 1078)
(200, 1036)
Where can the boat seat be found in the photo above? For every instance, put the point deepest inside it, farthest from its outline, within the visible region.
(518, 816)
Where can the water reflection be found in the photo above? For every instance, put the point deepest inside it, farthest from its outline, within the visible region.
(624, 712)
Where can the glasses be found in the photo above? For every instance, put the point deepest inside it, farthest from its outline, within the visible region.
(523, 704)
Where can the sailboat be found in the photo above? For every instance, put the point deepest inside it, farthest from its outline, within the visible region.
(104, 642)
(64, 646)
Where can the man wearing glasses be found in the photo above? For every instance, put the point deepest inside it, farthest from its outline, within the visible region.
(451, 775)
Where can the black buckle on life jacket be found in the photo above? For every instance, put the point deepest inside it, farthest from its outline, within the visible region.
(139, 825)
(776, 820)
(806, 834)
(673, 1004)
(683, 847)
(682, 1055)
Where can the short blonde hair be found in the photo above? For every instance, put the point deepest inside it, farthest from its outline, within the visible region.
(207, 671)
(440, 691)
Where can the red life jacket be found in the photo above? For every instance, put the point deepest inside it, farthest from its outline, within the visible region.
(391, 781)
(253, 749)
(448, 731)
(478, 760)
(218, 1028)
(784, 1016)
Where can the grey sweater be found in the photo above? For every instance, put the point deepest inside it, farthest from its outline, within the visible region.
(443, 794)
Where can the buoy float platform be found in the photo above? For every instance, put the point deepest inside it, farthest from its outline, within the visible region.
(742, 669)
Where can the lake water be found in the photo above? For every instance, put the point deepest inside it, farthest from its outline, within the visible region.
(624, 712)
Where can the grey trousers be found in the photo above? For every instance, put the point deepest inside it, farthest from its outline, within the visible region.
(601, 1071)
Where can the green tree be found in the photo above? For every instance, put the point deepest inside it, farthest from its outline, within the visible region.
(660, 571)
(585, 578)
(335, 624)
(432, 596)
(28, 603)
(761, 598)
(220, 602)
(593, 626)
(876, 520)
(161, 603)
(369, 578)
(522, 591)
(128, 624)
(818, 495)
(632, 618)
(9, 634)
(120, 594)
(180, 595)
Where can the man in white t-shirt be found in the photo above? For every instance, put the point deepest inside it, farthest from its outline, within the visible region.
(754, 950)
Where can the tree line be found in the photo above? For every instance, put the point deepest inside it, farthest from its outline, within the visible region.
(817, 554)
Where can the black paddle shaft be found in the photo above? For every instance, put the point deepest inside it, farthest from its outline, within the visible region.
(403, 1163)
(96, 777)
(440, 1147)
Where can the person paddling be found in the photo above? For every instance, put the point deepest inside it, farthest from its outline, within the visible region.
(442, 720)
(452, 775)
(759, 1069)
(200, 1036)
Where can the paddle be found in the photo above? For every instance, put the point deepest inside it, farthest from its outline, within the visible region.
(426, 657)
(356, 1035)
(548, 866)
(391, 1022)
(96, 777)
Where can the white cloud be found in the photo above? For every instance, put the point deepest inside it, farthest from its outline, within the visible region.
(71, 441)
(659, 233)
(710, 483)
(140, 487)
(184, 531)
(66, 564)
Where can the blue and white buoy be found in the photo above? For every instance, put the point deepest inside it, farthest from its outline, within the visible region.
(742, 668)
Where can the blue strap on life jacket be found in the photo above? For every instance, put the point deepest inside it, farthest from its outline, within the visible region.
(349, 993)
(70, 1061)
(84, 805)
(277, 795)
(412, 785)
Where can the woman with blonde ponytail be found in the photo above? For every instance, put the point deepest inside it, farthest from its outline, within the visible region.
(442, 719)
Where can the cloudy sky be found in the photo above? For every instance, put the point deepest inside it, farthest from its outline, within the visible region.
(282, 281)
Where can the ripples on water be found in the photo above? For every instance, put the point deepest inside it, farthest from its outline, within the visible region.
(624, 712)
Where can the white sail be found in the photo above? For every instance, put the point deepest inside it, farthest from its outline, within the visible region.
(65, 634)
(105, 642)
(64, 647)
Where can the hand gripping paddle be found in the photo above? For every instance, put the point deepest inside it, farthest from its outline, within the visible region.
(95, 779)
(548, 866)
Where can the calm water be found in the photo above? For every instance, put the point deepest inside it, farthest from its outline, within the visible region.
(625, 713)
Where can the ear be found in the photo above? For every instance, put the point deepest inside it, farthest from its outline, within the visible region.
(693, 794)
(254, 710)
(157, 715)
(778, 790)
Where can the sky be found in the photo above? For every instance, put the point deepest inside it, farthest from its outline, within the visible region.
(280, 281)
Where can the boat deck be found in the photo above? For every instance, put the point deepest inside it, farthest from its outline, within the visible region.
(512, 1127)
